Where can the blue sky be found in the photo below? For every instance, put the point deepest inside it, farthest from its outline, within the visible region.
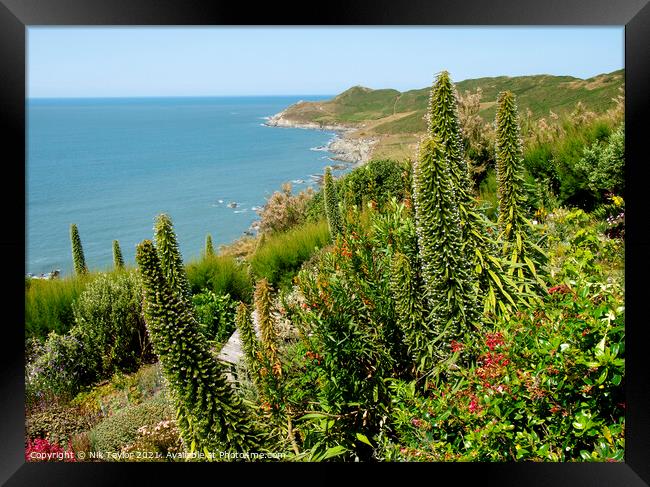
(230, 61)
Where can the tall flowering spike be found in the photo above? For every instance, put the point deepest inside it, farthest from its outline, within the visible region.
(509, 163)
(209, 249)
(446, 271)
(332, 205)
(118, 260)
(249, 341)
(444, 123)
(78, 259)
(210, 415)
(171, 261)
(409, 308)
(263, 308)
(495, 290)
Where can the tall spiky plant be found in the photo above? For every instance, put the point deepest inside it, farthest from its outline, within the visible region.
(267, 331)
(512, 221)
(410, 311)
(118, 260)
(249, 341)
(171, 261)
(496, 290)
(211, 417)
(332, 205)
(446, 270)
(209, 249)
(78, 258)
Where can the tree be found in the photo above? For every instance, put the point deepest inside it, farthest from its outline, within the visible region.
(210, 416)
(78, 259)
(171, 261)
(118, 260)
(332, 205)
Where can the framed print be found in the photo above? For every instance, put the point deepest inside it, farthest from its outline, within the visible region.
(407, 235)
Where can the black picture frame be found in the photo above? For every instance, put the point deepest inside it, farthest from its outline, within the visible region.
(17, 15)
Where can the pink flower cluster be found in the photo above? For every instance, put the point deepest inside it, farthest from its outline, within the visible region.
(41, 450)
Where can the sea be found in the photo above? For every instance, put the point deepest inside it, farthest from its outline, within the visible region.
(111, 165)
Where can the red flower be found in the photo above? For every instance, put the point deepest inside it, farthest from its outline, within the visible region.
(473, 405)
(562, 289)
(456, 346)
(493, 340)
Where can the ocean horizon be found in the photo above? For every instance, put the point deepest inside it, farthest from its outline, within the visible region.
(110, 165)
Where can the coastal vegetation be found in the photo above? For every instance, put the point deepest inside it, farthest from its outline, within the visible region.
(464, 303)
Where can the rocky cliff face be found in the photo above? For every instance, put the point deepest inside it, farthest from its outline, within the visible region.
(345, 147)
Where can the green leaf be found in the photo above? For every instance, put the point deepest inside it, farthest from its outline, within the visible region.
(363, 439)
(333, 452)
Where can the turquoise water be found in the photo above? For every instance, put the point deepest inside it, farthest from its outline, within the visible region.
(112, 165)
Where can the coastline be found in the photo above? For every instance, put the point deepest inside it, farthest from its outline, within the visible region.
(344, 145)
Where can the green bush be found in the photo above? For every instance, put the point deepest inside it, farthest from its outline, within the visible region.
(603, 164)
(110, 323)
(59, 370)
(378, 181)
(546, 388)
(281, 255)
(48, 304)
(221, 275)
(215, 314)
(57, 425)
(121, 429)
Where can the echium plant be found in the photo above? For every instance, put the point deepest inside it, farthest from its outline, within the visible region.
(118, 260)
(78, 259)
(271, 370)
(249, 341)
(210, 416)
(450, 284)
(209, 249)
(444, 122)
(409, 308)
(171, 261)
(512, 221)
(332, 205)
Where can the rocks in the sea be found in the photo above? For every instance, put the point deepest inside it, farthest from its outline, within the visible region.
(233, 204)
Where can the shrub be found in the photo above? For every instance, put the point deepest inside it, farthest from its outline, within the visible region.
(377, 180)
(603, 164)
(284, 210)
(216, 314)
(156, 443)
(110, 324)
(282, 254)
(60, 369)
(121, 391)
(548, 388)
(41, 450)
(57, 424)
(221, 274)
(121, 429)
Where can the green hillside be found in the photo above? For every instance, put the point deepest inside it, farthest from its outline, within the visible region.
(388, 111)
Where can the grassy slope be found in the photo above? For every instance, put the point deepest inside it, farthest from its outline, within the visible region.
(399, 116)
